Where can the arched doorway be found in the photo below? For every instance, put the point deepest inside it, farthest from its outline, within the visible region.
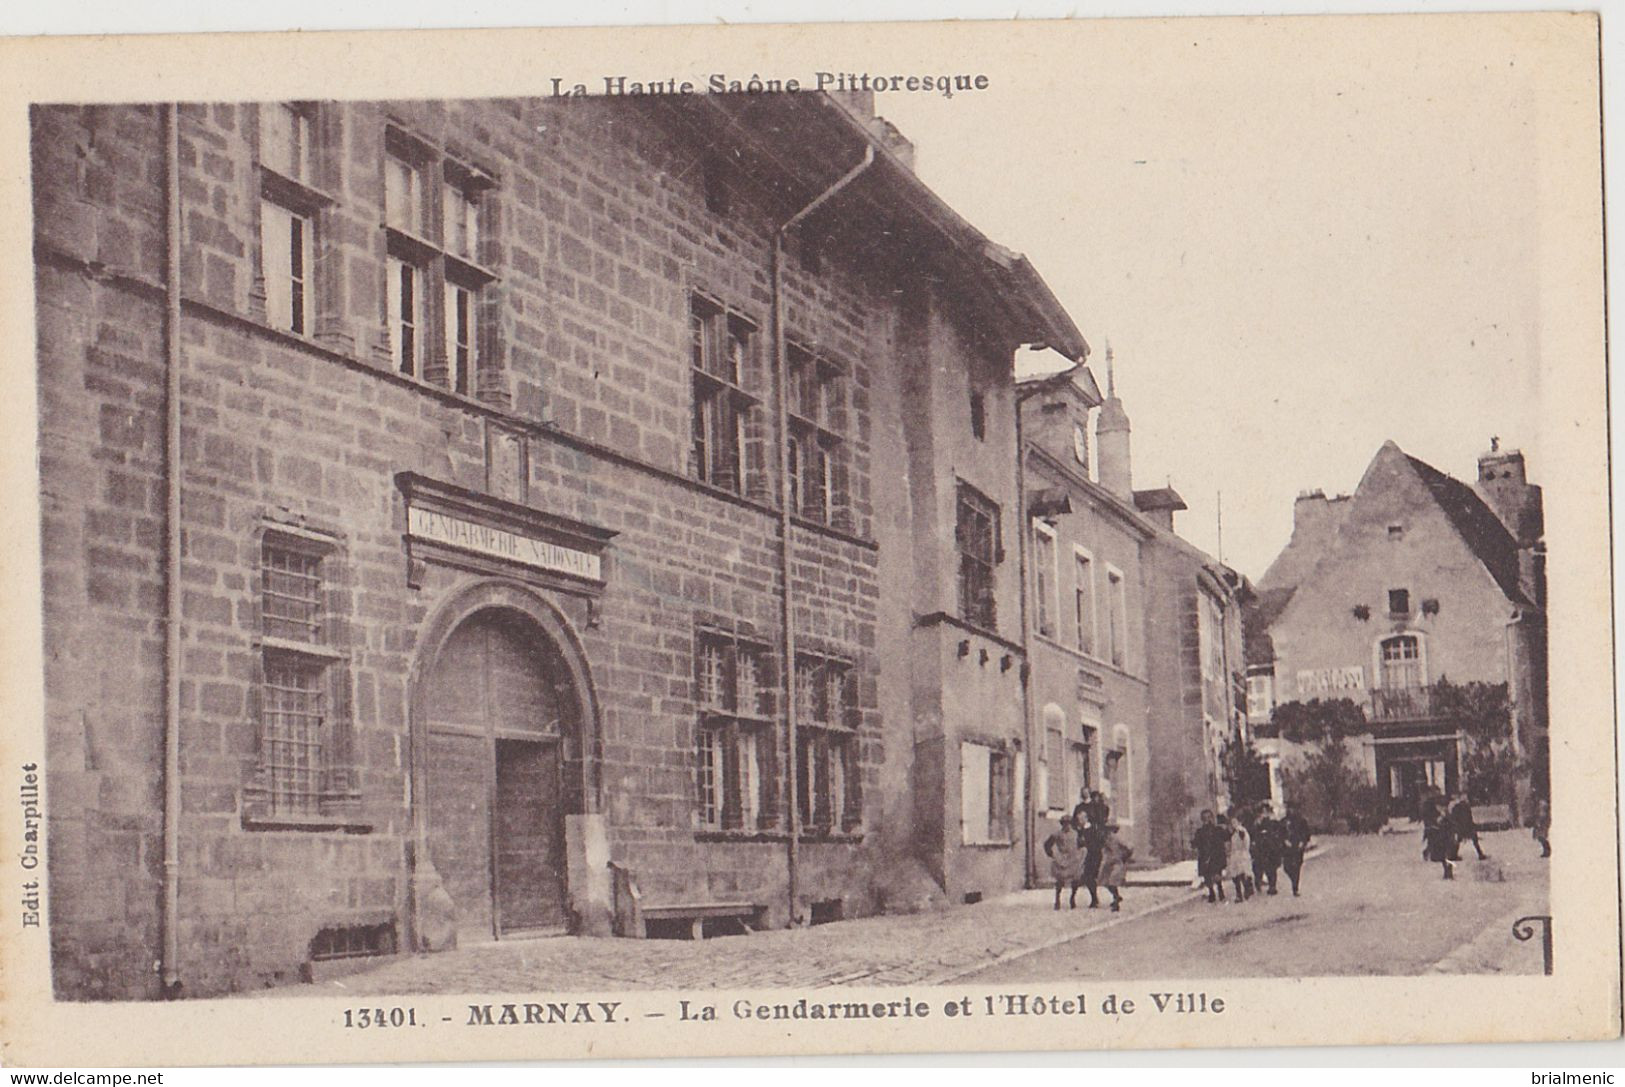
(501, 724)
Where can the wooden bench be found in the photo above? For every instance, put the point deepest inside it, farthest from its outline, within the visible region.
(633, 916)
(745, 915)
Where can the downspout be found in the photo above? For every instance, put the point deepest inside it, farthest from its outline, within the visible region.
(170, 921)
(1030, 816)
(782, 433)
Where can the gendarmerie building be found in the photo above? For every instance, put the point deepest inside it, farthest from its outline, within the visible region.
(472, 519)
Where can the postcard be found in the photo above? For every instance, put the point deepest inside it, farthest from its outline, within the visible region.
(806, 539)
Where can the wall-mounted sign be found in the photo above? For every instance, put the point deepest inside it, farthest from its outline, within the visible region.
(1313, 681)
(443, 528)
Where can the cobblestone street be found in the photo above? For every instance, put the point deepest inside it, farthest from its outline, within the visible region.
(1370, 906)
(891, 950)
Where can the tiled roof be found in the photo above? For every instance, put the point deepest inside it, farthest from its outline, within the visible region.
(1477, 525)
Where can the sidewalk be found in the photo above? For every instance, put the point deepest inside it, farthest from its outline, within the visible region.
(925, 948)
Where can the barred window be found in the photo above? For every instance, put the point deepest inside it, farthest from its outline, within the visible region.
(291, 590)
(301, 776)
(293, 718)
(734, 775)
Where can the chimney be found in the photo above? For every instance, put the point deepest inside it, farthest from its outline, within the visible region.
(1503, 483)
(1112, 438)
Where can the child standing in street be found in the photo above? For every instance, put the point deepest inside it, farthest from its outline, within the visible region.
(1114, 858)
(1065, 860)
(1241, 847)
(1211, 842)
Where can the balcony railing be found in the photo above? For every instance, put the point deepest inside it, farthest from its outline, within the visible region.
(1402, 703)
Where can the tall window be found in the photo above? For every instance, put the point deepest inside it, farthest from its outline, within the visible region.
(1055, 760)
(734, 697)
(1260, 695)
(721, 352)
(817, 414)
(978, 415)
(1210, 636)
(289, 207)
(302, 689)
(986, 794)
(976, 532)
(1117, 617)
(827, 782)
(1402, 662)
(1044, 577)
(1083, 600)
(434, 281)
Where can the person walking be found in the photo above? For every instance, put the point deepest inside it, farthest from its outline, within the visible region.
(1212, 845)
(1465, 829)
(1542, 828)
(1114, 858)
(1241, 848)
(1294, 840)
(1438, 843)
(1093, 839)
(1266, 832)
(1065, 860)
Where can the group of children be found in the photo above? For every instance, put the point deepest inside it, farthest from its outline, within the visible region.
(1227, 843)
(1086, 852)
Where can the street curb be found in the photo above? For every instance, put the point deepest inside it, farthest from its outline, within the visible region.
(1319, 850)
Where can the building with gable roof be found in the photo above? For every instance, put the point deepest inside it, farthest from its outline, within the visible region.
(1413, 579)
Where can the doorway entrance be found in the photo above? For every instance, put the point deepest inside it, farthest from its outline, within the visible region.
(500, 715)
(1406, 772)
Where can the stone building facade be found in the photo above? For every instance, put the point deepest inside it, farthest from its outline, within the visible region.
(1134, 633)
(458, 515)
(1413, 579)
(1088, 614)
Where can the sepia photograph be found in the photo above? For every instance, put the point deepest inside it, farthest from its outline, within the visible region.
(883, 537)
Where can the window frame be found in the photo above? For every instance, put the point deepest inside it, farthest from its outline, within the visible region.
(721, 404)
(1117, 618)
(828, 786)
(977, 571)
(735, 783)
(1046, 582)
(1083, 590)
(443, 271)
(816, 433)
(272, 798)
(287, 286)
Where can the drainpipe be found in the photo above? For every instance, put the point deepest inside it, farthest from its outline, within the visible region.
(172, 553)
(782, 433)
(1023, 521)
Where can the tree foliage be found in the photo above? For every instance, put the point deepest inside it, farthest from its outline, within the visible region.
(1331, 793)
(1482, 713)
(1246, 773)
(1317, 720)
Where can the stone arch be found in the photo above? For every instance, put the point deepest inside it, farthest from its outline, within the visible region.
(433, 920)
